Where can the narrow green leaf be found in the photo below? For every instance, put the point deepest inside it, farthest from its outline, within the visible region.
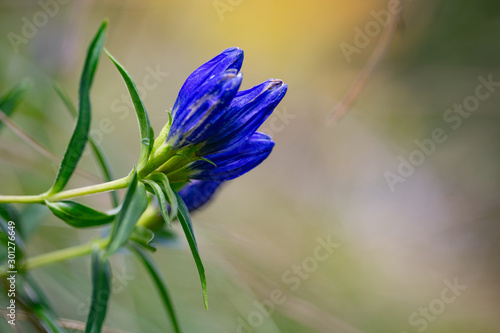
(160, 283)
(187, 227)
(96, 148)
(101, 291)
(78, 215)
(11, 99)
(162, 179)
(142, 116)
(79, 138)
(135, 203)
(162, 200)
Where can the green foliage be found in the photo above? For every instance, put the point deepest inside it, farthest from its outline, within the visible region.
(133, 206)
(160, 284)
(101, 291)
(39, 305)
(96, 148)
(78, 215)
(187, 227)
(126, 226)
(11, 99)
(147, 135)
(79, 139)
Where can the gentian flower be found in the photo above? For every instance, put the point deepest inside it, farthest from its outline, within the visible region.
(212, 134)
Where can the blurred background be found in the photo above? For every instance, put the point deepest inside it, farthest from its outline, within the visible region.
(374, 224)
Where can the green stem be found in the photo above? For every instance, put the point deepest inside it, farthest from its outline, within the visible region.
(21, 198)
(64, 254)
(104, 187)
(99, 188)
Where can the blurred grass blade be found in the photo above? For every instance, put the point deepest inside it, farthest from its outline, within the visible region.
(98, 151)
(29, 296)
(38, 304)
(11, 99)
(9, 213)
(162, 179)
(7, 236)
(101, 290)
(78, 215)
(79, 138)
(142, 115)
(185, 220)
(162, 200)
(134, 205)
(160, 283)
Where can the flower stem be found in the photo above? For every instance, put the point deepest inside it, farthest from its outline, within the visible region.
(64, 254)
(92, 189)
(104, 187)
(21, 198)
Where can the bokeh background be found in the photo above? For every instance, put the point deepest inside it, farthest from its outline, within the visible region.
(397, 249)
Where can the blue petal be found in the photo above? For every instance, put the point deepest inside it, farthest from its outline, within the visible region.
(231, 58)
(234, 162)
(247, 111)
(198, 193)
(193, 123)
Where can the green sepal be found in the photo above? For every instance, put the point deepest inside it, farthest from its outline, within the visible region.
(208, 161)
(162, 200)
(162, 136)
(162, 180)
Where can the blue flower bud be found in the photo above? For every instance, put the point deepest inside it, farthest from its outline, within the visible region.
(234, 162)
(231, 58)
(194, 121)
(247, 111)
(213, 122)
